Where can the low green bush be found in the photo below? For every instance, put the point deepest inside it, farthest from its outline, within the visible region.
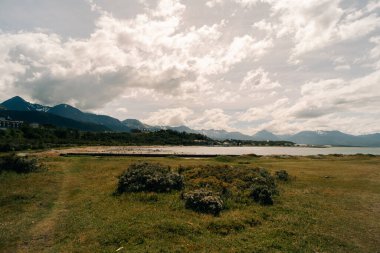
(262, 194)
(203, 201)
(234, 184)
(263, 188)
(282, 175)
(149, 177)
(19, 164)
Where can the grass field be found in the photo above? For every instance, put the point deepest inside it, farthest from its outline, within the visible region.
(331, 205)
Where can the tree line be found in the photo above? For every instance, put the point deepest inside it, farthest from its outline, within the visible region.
(49, 136)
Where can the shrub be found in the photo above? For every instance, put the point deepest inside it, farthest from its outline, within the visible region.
(262, 194)
(149, 177)
(263, 188)
(19, 164)
(236, 185)
(282, 175)
(203, 201)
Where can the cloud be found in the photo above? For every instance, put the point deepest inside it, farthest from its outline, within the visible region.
(169, 117)
(243, 3)
(316, 24)
(258, 80)
(360, 93)
(266, 26)
(337, 96)
(342, 67)
(151, 51)
(325, 105)
(375, 52)
(249, 3)
(213, 3)
(209, 119)
(213, 119)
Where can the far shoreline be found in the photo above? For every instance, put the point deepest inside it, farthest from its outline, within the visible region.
(207, 151)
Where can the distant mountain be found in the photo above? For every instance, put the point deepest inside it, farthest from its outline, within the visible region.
(136, 124)
(71, 112)
(182, 129)
(214, 134)
(51, 119)
(224, 135)
(19, 109)
(334, 138)
(265, 135)
(19, 104)
(371, 140)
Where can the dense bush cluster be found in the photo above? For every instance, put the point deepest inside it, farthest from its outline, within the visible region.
(262, 194)
(18, 164)
(263, 188)
(149, 177)
(208, 188)
(203, 201)
(236, 183)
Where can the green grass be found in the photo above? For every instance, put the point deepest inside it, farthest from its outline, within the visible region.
(331, 205)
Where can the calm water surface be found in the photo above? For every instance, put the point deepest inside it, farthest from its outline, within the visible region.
(303, 151)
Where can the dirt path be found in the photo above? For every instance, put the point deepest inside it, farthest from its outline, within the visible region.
(42, 234)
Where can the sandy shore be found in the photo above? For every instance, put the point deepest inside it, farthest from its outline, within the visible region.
(109, 150)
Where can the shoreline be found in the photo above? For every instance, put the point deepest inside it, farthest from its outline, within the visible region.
(201, 151)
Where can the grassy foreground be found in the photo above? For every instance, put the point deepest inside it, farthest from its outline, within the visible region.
(332, 205)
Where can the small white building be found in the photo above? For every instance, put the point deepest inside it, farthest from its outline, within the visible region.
(34, 125)
(4, 123)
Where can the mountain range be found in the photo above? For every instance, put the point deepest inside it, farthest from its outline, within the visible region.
(104, 123)
(64, 115)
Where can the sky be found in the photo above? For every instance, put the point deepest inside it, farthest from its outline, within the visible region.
(239, 65)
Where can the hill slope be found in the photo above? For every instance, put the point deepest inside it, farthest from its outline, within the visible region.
(71, 112)
(19, 104)
(51, 119)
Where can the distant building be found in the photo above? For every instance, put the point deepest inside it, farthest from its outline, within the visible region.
(5, 123)
(34, 125)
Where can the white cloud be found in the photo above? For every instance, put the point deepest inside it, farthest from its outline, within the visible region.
(258, 80)
(326, 105)
(335, 96)
(213, 119)
(375, 51)
(151, 51)
(342, 67)
(169, 117)
(268, 112)
(266, 26)
(213, 3)
(316, 24)
(209, 119)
